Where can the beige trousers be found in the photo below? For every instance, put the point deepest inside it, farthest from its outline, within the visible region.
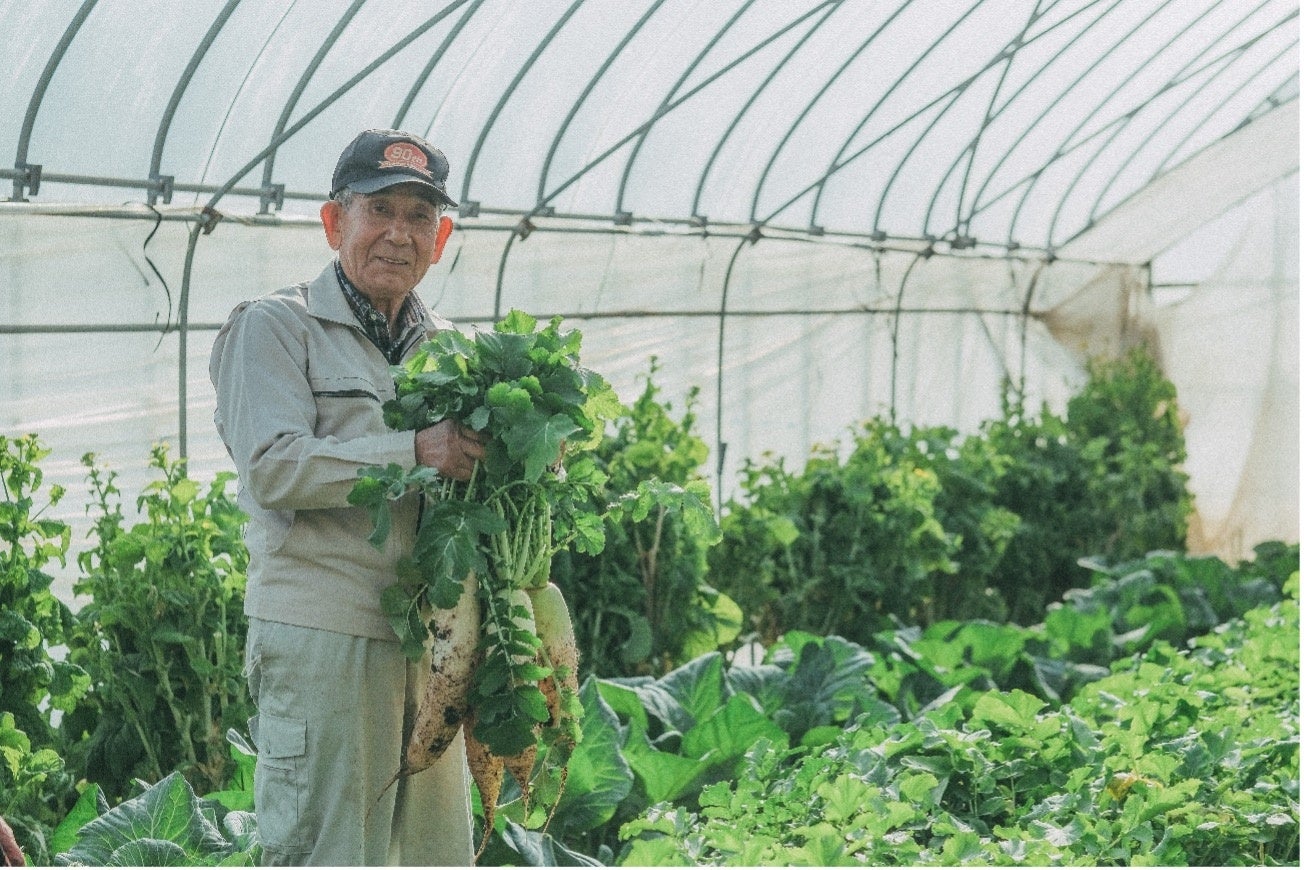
(333, 711)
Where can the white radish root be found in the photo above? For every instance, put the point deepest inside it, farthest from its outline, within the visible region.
(542, 613)
(487, 772)
(444, 699)
(560, 652)
(453, 636)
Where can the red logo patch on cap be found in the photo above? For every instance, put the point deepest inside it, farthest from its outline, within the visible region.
(405, 155)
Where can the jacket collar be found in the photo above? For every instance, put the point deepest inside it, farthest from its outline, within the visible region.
(326, 301)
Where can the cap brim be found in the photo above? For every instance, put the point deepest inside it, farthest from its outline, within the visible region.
(380, 182)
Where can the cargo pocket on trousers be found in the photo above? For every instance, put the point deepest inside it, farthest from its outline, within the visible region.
(278, 787)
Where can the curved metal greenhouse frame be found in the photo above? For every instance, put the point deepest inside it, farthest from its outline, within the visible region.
(911, 201)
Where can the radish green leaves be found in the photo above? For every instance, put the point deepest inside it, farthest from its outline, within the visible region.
(524, 389)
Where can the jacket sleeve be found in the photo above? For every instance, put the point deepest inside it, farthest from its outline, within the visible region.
(267, 416)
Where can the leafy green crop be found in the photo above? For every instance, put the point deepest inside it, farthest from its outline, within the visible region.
(522, 387)
(32, 619)
(916, 524)
(1105, 479)
(35, 788)
(643, 605)
(840, 548)
(1180, 757)
(918, 686)
(167, 825)
(163, 632)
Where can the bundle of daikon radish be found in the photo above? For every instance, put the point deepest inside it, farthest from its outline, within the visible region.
(475, 592)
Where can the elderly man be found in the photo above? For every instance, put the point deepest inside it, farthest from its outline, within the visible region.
(301, 374)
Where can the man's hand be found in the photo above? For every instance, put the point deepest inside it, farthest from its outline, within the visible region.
(450, 448)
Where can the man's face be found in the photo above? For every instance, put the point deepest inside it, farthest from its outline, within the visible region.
(386, 240)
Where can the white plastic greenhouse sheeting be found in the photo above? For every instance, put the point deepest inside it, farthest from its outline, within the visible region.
(790, 379)
(1232, 350)
(1134, 138)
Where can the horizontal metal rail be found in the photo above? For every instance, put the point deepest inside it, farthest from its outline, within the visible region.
(603, 224)
(158, 186)
(627, 314)
(84, 328)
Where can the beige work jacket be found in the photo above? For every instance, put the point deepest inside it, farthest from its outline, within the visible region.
(299, 394)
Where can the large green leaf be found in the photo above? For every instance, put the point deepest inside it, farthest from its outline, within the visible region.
(1013, 709)
(724, 628)
(664, 776)
(148, 852)
(167, 811)
(599, 777)
(624, 700)
(731, 731)
(699, 688)
(505, 353)
(90, 805)
(537, 849)
(239, 795)
(1079, 632)
(447, 542)
(536, 440)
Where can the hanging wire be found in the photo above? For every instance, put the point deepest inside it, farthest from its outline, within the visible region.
(523, 231)
(1025, 315)
(720, 444)
(183, 348)
(167, 291)
(896, 328)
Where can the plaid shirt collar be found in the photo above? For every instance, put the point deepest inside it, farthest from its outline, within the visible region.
(411, 319)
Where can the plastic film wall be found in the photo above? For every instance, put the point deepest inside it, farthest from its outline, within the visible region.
(813, 211)
(779, 366)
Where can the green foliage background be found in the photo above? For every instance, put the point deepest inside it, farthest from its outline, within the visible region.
(35, 788)
(643, 605)
(918, 524)
(977, 649)
(1178, 757)
(162, 634)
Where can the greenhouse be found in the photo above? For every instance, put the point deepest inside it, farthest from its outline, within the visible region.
(883, 274)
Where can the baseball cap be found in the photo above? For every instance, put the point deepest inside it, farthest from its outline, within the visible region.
(377, 159)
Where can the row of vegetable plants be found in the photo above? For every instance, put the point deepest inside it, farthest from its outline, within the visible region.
(145, 679)
(970, 577)
(914, 524)
(660, 748)
(1179, 757)
(1184, 752)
